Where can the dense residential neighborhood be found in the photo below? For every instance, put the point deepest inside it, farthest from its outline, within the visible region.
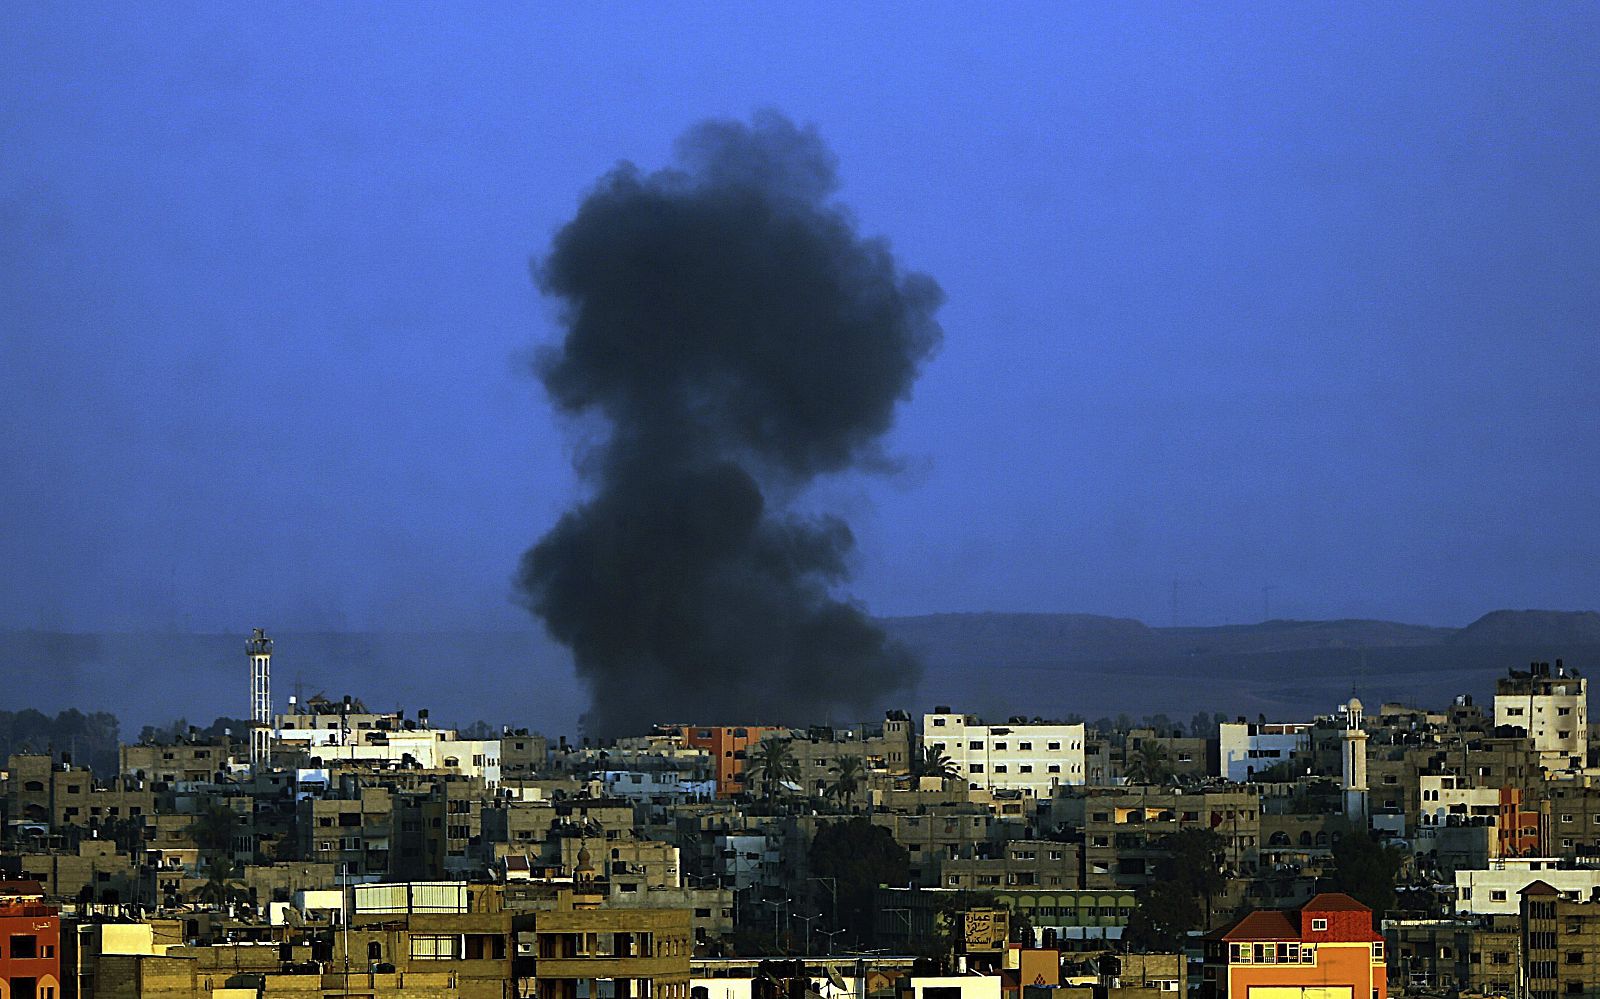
(331, 849)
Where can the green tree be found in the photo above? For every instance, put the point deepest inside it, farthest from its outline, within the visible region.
(774, 764)
(1151, 763)
(222, 883)
(847, 780)
(1366, 869)
(213, 831)
(860, 856)
(1166, 911)
(1178, 899)
(932, 762)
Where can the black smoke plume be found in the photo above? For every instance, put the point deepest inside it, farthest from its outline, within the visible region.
(738, 338)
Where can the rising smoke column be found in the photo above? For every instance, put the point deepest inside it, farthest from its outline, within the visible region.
(738, 339)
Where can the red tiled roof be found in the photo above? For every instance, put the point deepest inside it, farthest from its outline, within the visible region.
(1539, 888)
(1264, 924)
(1334, 901)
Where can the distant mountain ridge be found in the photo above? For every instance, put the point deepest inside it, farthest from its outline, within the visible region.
(1532, 627)
(995, 664)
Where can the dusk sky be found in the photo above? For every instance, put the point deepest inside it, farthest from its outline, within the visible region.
(1294, 295)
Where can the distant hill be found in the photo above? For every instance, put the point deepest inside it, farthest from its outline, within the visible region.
(993, 664)
(1060, 664)
(1531, 627)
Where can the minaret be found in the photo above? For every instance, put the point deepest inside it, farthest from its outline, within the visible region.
(1353, 772)
(259, 648)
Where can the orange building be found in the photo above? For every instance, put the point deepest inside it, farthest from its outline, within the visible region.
(30, 949)
(1519, 831)
(728, 746)
(1325, 950)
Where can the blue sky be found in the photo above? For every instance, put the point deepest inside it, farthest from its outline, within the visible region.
(1290, 295)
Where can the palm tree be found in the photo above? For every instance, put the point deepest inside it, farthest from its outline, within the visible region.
(933, 763)
(222, 883)
(213, 831)
(1151, 763)
(848, 781)
(774, 764)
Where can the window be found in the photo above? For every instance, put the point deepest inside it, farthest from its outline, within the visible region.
(1055, 746)
(23, 945)
(1377, 950)
(1319, 925)
(976, 768)
(1497, 895)
(1000, 745)
(1026, 747)
(431, 947)
(975, 744)
(938, 723)
(1026, 768)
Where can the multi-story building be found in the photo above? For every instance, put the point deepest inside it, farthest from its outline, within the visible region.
(881, 750)
(1552, 709)
(1035, 758)
(1247, 748)
(30, 949)
(355, 834)
(1018, 863)
(1326, 949)
(1495, 891)
(730, 747)
(43, 795)
(1123, 829)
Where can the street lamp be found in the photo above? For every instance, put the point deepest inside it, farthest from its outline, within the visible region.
(830, 934)
(807, 944)
(833, 890)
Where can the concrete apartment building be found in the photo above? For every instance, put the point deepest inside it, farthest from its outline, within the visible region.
(1123, 829)
(1552, 705)
(882, 749)
(730, 747)
(1017, 863)
(96, 870)
(1247, 748)
(176, 763)
(1034, 758)
(30, 949)
(1496, 890)
(42, 794)
(356, 835)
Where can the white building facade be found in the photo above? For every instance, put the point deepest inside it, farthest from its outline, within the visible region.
(1553, 707)
(1493, 892)
(1032, 758)
(1247, 748)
